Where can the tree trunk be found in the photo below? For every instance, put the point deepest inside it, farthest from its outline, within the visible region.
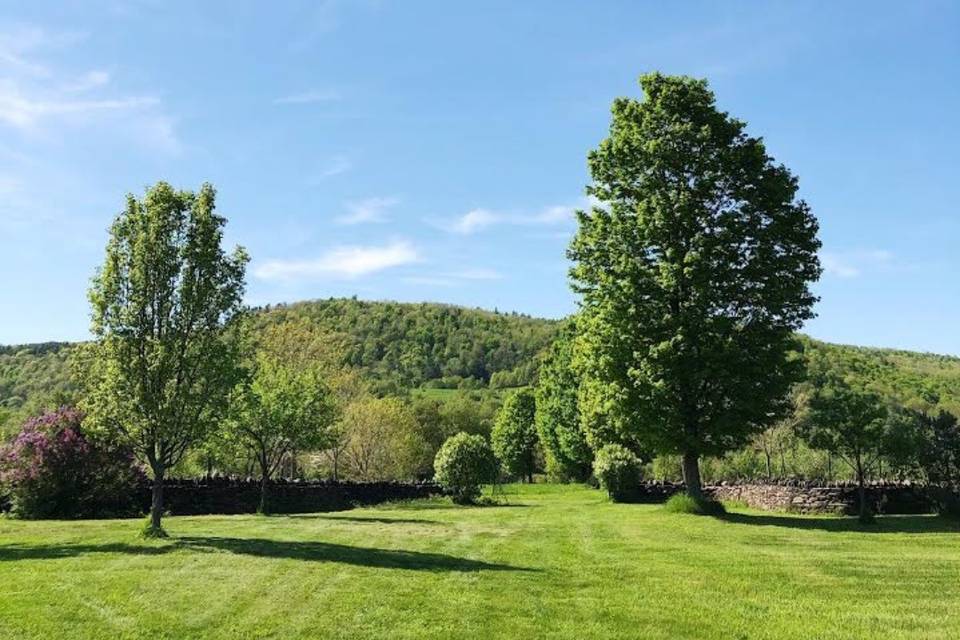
(691, 475)
(263, 495)
(264, 479)
(861, 489)
(156, 502)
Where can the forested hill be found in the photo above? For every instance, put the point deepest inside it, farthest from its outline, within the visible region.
(396, 345)
(924, 381)
(400, 346)
(411, 344)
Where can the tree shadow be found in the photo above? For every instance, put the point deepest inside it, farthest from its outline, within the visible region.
(263, 548)
(14, 552)
(315, 516)
(883, 524)
(345, 554)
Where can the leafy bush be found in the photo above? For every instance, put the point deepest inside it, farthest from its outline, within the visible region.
(683, 503)
(463, 463)
(618, 471)
(52, 470)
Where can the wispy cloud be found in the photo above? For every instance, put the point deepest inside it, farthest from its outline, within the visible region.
(345, 262)
(454, 278)
(309, 97)
(368, 210)
(473, 221)
(36, 98)
(479, 219)
(854, 263)
(336, 166)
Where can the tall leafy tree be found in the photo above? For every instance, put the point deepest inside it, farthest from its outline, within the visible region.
(557, 413)
(161, 367)
(514, 435)
(279, 410)
(694, 272)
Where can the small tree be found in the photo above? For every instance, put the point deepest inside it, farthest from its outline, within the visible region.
(939, 447)
(557, 413)
(849, 423)
(464, 463)
(279, 410)
(694, 272)
(162, 366)
(514, 434)
(384, 441)
(617, 470)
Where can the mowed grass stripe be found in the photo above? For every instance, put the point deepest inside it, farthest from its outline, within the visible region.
(558, 562)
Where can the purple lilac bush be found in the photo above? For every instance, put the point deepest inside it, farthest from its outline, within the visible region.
(52, 469)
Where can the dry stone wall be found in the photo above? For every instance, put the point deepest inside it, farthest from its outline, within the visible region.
(809, 497)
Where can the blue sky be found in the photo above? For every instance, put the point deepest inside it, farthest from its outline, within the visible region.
(435, 150)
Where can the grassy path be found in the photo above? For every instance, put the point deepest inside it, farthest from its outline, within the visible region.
(559, 562)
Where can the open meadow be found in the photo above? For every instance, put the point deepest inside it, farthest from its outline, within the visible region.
(554, 562)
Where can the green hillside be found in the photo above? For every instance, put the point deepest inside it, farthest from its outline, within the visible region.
(401, 346)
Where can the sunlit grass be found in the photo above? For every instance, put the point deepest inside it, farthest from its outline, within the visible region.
(558, 562)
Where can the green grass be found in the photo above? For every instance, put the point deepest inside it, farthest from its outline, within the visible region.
(558, 562)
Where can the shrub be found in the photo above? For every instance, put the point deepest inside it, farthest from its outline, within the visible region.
(463, 463)
(618, 471)
(683, 503)
(52, 470)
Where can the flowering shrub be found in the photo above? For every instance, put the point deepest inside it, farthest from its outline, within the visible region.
(463, 463)
(52, 470)
(618, 471)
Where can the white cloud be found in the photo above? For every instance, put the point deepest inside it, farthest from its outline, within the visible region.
(37, 99)
(89, 80)
(477, 274)
(336, 166)
(341, 262)
(368, 210)
(853, 263)
(309, 97)
(480, 219)
(473, 221)
(453, 278)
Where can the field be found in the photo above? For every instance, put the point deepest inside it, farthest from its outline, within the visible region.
(556, 562)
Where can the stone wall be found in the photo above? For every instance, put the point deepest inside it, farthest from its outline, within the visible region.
(809, 497)
(232, 496)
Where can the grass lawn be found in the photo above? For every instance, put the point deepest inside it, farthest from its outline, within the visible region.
(558, 562)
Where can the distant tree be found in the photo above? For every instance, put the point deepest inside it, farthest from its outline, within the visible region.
(939, 447)
(694, 272)
(558, 416)
(514, 435)
(463, 464)
(161, 367)
(279, 410)
(850, 423)
(384, 442)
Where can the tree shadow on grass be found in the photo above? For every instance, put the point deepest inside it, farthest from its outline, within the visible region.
(345, 554)
(263, 548)
(14, 552)
(315, 516)
(883, 524)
